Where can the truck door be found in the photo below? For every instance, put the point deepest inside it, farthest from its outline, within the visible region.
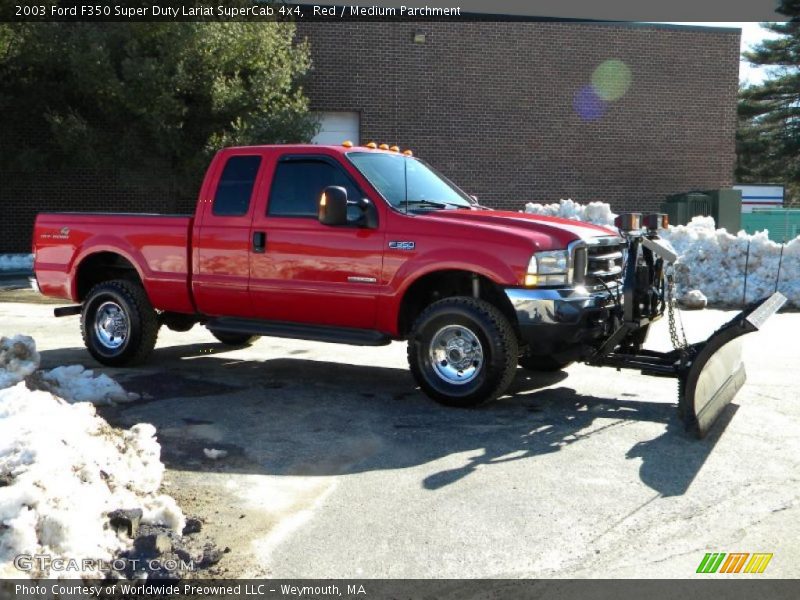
(307, 272)
(221, 265)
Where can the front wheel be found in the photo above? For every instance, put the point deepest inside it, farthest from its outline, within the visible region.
(462, 351)
(118, 323)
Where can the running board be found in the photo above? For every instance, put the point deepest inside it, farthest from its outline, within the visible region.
(300, 331)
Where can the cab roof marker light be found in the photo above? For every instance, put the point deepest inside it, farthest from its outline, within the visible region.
(395, 148)
(408, 153)
(384, 146)
(347, 144)
(372, 145)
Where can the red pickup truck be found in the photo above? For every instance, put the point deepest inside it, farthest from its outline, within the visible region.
(357, 245)
(339, 244)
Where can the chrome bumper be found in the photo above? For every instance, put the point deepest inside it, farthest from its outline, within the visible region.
(556, 306)
(555, 321)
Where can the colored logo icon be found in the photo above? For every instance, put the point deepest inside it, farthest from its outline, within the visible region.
(735, 562)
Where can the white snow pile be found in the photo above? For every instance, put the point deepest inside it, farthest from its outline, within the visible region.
(598, 213)
(710, 261)
(713, 261)
(16, 262)
(215, 454)
(63, 469)
(694, 299)
(18, 359)
(76, 384)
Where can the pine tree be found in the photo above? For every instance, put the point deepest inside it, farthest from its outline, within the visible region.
(768, 137)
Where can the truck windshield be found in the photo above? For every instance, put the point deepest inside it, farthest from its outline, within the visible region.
(406, 181)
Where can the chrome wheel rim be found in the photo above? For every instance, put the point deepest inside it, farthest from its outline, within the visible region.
(456, 354)
(111, 325)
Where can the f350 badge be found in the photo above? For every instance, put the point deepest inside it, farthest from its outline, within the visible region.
(397, 245)
(63, 234)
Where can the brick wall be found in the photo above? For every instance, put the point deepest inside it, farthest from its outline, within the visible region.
(491, 105)
(22, 195)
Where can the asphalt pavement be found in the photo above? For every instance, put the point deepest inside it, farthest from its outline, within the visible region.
(338, 467)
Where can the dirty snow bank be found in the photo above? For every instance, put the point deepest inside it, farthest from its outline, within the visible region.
(76, 384)
(19, 360)
(710, 260)
(16, 262)
(63, 469)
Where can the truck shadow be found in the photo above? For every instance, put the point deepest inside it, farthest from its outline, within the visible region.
(294, 416)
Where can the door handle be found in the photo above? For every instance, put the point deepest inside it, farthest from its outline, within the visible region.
(259, 242)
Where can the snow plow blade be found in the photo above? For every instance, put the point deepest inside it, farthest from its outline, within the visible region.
(714, 371)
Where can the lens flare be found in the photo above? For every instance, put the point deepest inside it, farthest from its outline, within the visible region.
(611, 79)
(588, 104)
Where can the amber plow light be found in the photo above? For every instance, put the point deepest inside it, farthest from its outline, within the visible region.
(628, 221)
(655, 221)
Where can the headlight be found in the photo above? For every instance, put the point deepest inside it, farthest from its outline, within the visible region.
(547, 268)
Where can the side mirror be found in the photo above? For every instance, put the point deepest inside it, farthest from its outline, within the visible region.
(333, 206)
(369, 214)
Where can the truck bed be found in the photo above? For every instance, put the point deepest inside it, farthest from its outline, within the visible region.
(157, 245)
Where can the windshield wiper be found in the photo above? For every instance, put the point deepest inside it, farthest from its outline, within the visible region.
(435, 203)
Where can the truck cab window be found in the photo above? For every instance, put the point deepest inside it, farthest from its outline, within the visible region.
(236, 186)
(298, 184)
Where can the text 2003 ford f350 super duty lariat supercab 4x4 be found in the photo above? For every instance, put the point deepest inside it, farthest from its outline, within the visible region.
(365, 245)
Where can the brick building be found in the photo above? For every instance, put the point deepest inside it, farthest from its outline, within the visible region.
(501, 107)
(512, 111)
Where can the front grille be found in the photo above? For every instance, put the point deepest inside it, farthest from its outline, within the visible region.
(598, 261)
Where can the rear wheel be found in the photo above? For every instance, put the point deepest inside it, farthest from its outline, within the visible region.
(118, 323)
(234, 339)
(462, 351)
(546, 364)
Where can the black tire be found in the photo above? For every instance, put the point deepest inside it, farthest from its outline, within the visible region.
(543, 364)
(135, 331)
(235, 339)
(477, 320)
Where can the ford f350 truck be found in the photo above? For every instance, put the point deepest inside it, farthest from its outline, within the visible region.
(365, 245)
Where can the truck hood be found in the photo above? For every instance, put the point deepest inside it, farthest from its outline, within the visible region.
(563, 231)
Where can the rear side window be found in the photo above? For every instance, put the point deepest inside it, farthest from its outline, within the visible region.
(236, 186)
(298, 184)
